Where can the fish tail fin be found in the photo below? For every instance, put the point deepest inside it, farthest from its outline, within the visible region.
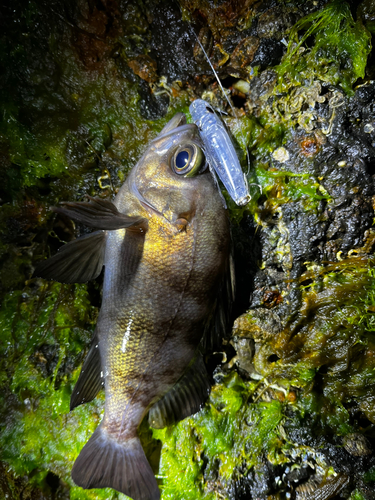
(104, 463)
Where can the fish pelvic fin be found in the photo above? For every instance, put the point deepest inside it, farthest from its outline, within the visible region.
(105, 463)
(100, 214)
(91, 378)
(185, 398)
(78, 261)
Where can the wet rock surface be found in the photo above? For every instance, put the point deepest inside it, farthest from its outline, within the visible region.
(85, 87)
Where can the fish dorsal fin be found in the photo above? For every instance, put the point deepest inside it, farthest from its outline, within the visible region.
(185, 398)
(100, 214)
(91, 378)
(78, 261)
(177, 120)
(219, 326)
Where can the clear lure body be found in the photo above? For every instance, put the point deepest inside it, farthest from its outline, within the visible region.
(219, 151)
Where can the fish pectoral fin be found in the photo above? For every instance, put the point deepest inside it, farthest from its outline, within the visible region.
(100, 214)
(185, 398)
(78, 261)
(91, 378)
(106, 463)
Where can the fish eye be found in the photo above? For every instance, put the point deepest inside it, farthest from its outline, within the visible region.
(188, 160)
(182, 159)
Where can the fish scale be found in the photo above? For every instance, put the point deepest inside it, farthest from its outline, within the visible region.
(158, 279)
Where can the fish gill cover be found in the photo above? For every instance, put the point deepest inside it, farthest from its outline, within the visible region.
(84, 88)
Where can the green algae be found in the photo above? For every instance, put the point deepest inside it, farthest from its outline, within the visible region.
(41, 328)
(338, 54)
(321, 363)
(331, 337)
(104, 122)
(356, 495)
(258, 138)
(34, 157)
(282, 187)
(229, 434)
(370, 475)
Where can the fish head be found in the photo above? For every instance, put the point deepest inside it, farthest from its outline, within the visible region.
(172, 179)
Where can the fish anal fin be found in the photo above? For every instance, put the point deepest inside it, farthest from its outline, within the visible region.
(185, 398)
(78, 261)
(90, 380)
(100, 214)
(106, 463)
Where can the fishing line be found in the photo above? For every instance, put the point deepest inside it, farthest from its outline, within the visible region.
(225, 95)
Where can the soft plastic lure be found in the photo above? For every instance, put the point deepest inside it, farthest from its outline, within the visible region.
(219, 150)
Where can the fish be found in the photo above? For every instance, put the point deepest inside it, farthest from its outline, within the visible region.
(165, 245)
(219, 150)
